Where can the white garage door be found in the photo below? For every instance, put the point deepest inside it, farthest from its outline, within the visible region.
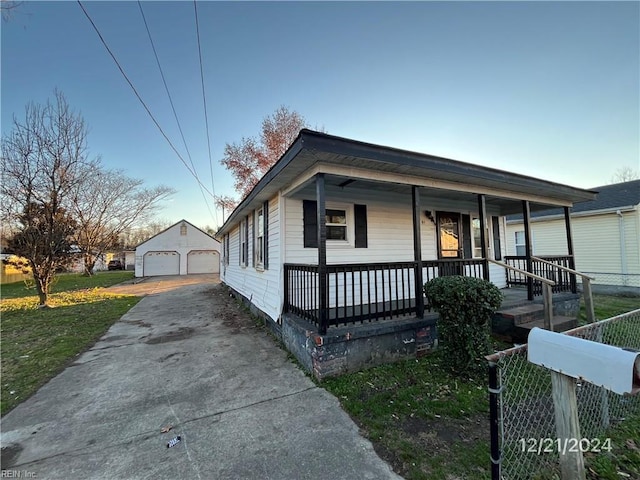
(203, 261)
(161, 263)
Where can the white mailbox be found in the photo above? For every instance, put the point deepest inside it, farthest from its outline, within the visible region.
(613, 368)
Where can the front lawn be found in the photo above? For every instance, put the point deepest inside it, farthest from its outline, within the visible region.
(607, 306)
(37, 344)
(68, 281)
(430, 425)
(424, 422)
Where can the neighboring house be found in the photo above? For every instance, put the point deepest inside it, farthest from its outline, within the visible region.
(77, 265)
(181, 249)
(334, 243)
(606, 236)
(129, 259)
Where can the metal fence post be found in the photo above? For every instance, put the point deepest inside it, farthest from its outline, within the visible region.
(494, 421)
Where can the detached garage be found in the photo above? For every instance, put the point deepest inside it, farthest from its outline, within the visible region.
(181, 249)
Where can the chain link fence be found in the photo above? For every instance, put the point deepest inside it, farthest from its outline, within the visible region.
(522, 405)
(615, 283)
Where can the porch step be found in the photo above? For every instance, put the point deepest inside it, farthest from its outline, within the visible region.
(560, 324)
(523, 314)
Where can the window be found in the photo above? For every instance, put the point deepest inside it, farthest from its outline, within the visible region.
(243, 243)
(226, 249)
(476, 234)
(183, 229)
(336, 221)
(476, 239)
(346, 225)
(259, 247)
(521, 247)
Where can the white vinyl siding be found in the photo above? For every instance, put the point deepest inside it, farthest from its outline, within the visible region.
(263, 287)
(389, 231)
(596, 241)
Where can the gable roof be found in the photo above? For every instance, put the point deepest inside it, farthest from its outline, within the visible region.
(169, 228)
(610, 197)
(311, 148)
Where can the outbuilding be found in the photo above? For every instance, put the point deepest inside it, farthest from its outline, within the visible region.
(181, 249)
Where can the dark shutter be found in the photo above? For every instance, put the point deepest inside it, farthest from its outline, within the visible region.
(240, 227)
(310, 220)
(466, 236)
(360, 212)
(265, 230)
(497, 254)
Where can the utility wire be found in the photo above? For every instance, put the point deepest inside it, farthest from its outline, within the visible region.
(204, 98)
(140, 99)
(175, 114)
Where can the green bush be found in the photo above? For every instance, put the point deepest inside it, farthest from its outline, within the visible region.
(465, 305)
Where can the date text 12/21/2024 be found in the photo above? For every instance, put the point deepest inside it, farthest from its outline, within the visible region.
(564, 445)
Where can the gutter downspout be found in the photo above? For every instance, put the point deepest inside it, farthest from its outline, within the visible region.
(623, 253)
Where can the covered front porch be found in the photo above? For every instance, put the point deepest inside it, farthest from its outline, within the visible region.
(449, 232)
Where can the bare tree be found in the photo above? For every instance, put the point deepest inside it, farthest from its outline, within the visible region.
(42, 161)
(8, 7)
(134, 236)
(251, 158)
(625, 174)
(106, 205)
(226, 203)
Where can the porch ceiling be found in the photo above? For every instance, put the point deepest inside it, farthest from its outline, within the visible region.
(374, 165)
(338, 186)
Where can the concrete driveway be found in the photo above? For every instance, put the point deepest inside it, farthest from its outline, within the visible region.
(188, 357)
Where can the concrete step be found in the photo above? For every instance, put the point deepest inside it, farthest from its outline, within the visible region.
(523, 314)
(560, 324)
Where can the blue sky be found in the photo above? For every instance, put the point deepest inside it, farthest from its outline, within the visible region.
(545, 89)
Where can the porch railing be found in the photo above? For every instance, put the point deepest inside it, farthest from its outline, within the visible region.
(556, 268)
(365, 291)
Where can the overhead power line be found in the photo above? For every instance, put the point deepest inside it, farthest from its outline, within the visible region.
(175, 114)
(204, 98)
(140, 98)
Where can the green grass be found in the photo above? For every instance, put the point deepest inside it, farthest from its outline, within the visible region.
(607, 306)
(38, 343)
(624, 456)
(426, 423)
(67, 281)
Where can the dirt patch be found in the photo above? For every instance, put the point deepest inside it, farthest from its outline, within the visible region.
(233, 315)
(175, 356)
(466, 430)
(181, 334)
(138, 322)
(437, 436)
(10, 454)
(114, 338)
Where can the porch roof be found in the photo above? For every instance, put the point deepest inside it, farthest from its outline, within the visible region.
(314, 151)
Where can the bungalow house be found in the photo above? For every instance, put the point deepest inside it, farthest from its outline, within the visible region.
(334, 243)
(606, 236)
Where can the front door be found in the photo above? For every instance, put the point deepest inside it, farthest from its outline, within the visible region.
(449, 242)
